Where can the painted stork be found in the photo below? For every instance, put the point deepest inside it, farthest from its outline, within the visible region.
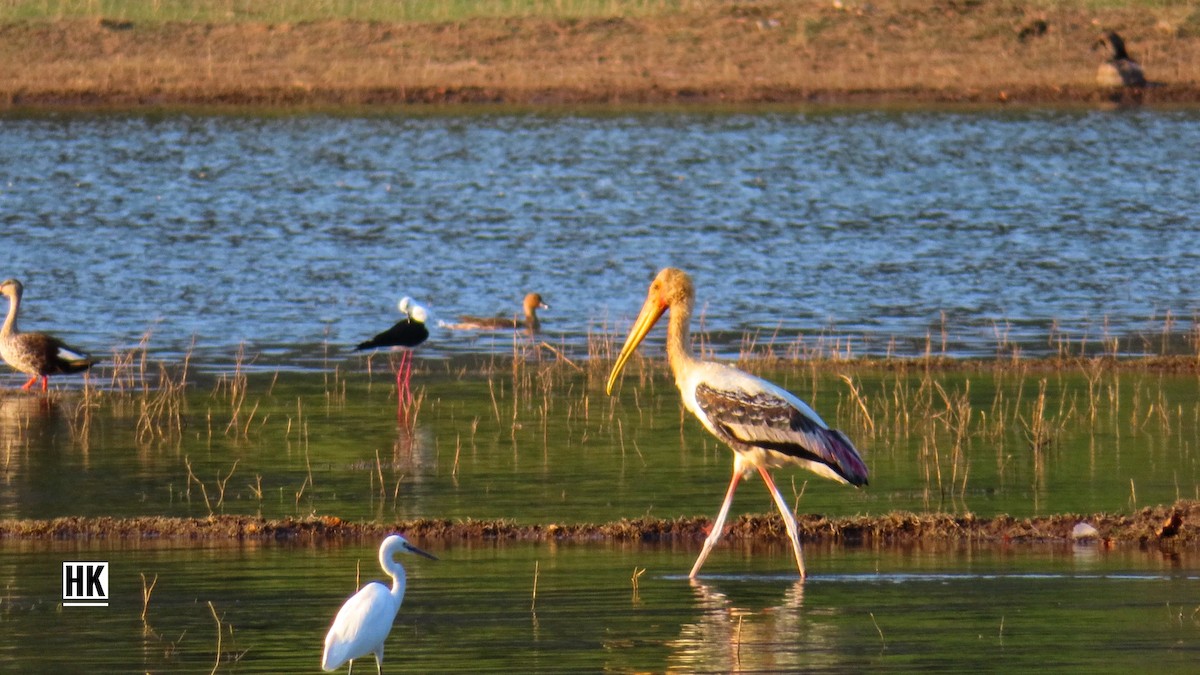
(36, 354)
(766, 426)
(532, 303)
(408, 332)
(364, 621)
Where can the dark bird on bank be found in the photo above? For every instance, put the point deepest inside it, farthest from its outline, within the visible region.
(1171, 526)
(1119, 70)
(1035, 28)
(36, 354)
(532, 303)
(408, 332)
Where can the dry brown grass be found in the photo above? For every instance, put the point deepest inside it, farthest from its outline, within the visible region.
(920, 50)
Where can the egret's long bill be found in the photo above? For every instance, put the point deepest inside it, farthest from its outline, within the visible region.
(413, 549)
(651, 312)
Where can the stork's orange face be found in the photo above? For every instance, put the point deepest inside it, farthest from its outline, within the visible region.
(671, 287)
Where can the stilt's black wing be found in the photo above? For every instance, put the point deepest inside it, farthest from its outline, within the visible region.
(406, 333)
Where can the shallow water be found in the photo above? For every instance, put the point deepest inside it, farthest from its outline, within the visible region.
(893, 608)
(1063, 608)
(547, 445)
(289, 233)
(290, 238)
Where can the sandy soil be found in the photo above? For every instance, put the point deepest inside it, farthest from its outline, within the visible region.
(831, 51)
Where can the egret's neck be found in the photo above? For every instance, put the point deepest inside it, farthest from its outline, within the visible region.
(399, 578)
(679, 339)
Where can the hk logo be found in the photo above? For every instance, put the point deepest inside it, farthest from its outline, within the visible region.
(85, 584)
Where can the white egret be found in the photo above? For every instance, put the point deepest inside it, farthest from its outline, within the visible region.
(364, 621)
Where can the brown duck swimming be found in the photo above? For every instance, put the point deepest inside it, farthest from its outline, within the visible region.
(36, 354)
(533, 302)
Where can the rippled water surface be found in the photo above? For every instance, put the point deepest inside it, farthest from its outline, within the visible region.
(288, 232)
(1067, 609)
(262, 247)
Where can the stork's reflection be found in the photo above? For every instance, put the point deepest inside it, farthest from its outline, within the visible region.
(733, 635)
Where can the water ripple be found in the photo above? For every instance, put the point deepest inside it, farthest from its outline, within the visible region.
(305, 229)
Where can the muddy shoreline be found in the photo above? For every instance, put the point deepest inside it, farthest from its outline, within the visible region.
(746, 53)
(1142, 528)
(568, 97)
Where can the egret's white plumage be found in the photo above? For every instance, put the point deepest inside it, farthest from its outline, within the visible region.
(364, 621)
(765, 425)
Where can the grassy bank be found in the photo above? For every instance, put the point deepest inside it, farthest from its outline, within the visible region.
(583, 51)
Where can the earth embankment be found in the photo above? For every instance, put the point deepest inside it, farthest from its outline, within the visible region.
(833, 51)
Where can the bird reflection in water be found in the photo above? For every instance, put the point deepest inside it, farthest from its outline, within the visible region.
(412, 449)
(732, 636)
(31, 433)
(24, 420)
(18, 412)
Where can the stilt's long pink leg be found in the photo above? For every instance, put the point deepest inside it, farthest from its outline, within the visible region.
(719, 524)
(789, 521)
(403, 385)
(408, 365)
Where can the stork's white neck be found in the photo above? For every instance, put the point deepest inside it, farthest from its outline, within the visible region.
(679, 340)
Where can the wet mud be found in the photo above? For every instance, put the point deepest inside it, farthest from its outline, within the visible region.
(1175, 525)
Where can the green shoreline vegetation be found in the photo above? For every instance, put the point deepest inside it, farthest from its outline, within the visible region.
(949, 418)
(127, 54)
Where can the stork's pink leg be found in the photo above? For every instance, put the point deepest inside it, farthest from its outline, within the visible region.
(27, 385)
(719, 524)
(789, 521)
(45, 383)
